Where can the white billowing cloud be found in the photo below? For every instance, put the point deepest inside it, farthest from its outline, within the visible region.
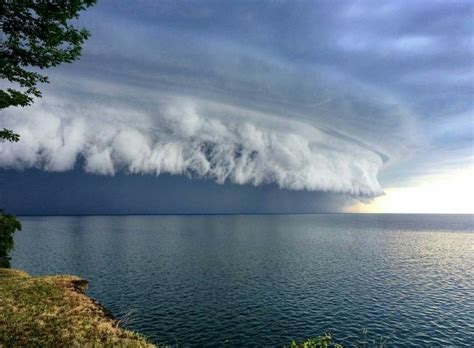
(191, 137)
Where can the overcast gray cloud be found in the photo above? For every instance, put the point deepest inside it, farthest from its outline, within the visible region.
(307, 95)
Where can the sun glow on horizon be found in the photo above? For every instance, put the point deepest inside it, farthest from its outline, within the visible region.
(451, 193)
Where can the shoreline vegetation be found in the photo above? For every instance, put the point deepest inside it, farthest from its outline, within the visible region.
(54, 311)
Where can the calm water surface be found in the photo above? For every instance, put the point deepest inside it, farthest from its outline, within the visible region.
(265, 280)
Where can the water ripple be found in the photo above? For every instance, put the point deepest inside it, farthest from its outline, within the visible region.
(265, 280)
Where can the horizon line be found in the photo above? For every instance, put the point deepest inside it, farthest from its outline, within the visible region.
(229, 214)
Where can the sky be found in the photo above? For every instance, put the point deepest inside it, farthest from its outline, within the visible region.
(253, 107)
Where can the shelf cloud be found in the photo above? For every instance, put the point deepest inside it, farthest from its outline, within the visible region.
(242, 147)
(319, 97)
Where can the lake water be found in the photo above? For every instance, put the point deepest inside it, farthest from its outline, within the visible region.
(266, 280)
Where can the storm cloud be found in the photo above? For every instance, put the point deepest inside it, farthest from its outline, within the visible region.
(320, 96)
(238, 145)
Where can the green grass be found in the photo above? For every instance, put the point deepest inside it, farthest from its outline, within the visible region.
(53, 311)
(325, 341)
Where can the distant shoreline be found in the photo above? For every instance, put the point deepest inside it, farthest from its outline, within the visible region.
(244, 214)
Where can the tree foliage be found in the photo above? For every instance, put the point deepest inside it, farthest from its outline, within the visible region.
(9, 135)
(8, 225)
(35, 34)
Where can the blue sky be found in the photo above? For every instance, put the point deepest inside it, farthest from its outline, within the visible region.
(334, 102)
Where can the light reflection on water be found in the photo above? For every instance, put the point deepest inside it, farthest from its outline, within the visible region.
(265, 280)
